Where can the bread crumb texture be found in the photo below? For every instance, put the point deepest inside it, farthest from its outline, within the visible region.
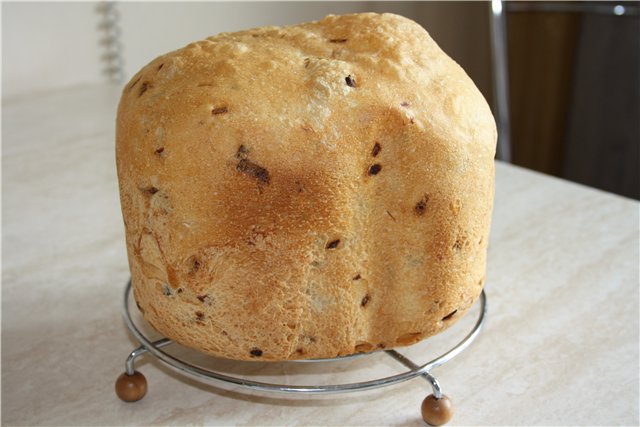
(306, 192)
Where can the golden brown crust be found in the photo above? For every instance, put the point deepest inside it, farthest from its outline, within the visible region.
(305, 192)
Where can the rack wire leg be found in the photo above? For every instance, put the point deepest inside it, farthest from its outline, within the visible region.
(436, 408)
(131, 386)
(436, 411)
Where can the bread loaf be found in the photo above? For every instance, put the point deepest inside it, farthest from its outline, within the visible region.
(308, 191)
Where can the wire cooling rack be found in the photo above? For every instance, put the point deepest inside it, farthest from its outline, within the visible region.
(436, 408)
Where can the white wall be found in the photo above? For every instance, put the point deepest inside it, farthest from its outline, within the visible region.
(48, 46)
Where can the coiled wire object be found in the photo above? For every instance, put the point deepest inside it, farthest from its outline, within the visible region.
(110, 41)
(436, 408)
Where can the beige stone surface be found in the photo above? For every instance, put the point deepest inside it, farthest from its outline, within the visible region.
(560, 346)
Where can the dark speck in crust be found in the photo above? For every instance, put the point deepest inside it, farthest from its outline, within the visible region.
(242, 152)
(375, 169)
(357, 277)
(365, 300)
(404, 104)
(376, 149)
(421, 206)
(166, 290)
(391, 216)
(143, 88)
(255, 352)
(351, 82)
(151, 190)
(337, 40)
(333, 244)
(219, 110)
(160, 66)
(193, 264)
(253, 170)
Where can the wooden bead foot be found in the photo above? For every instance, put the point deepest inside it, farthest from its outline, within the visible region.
(436, 412)
(131, 388)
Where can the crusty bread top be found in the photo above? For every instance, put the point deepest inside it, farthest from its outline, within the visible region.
(388, 56)
(244, 157)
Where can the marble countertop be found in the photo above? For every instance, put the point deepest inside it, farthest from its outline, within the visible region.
(560, 346)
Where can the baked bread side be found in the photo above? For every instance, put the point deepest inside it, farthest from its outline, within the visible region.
(308, 191)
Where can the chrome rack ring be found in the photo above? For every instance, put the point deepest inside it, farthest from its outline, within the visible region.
(436, 408)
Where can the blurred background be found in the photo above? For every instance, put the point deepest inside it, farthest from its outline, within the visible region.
(563, 78)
